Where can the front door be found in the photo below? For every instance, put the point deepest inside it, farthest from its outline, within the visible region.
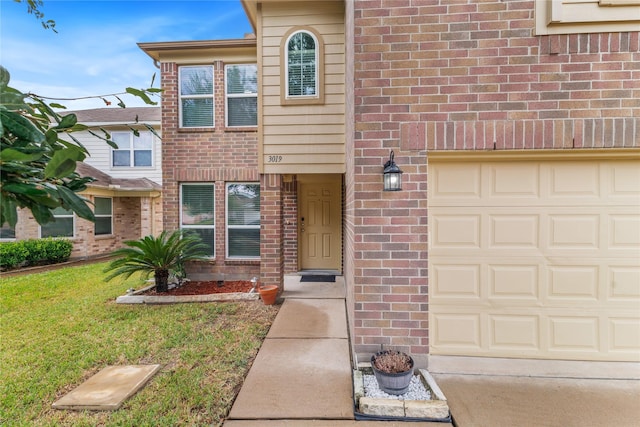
(320, 225)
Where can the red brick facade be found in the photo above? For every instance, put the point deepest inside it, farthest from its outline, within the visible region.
(133, 217)
(217, 156)
(460, 75)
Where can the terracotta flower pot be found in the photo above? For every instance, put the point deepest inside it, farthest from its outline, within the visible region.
(392, 382)
(268, 293)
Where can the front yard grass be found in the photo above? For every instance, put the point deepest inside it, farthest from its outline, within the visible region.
(60, 327)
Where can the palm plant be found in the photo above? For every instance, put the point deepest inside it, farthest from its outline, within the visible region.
(162, 256)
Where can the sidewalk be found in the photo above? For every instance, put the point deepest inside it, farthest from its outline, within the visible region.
(302, 373)
(302, 377)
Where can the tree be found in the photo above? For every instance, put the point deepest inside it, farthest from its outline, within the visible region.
(160, 256)
(38, 166)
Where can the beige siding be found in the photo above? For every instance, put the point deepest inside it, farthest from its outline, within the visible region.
(535, 259)
(100, 156)
(302, 138)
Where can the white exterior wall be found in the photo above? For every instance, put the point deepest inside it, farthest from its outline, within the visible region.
(100, 157)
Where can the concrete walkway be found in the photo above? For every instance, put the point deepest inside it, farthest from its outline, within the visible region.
(302, 373)
(302, 377)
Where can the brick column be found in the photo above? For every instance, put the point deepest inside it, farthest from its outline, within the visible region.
(271, 230)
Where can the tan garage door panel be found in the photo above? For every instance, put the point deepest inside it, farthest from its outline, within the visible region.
(535, 258)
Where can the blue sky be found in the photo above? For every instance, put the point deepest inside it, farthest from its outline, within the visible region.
(95, 51)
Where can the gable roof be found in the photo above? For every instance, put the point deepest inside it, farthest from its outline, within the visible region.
(117, 115)
(106, 181)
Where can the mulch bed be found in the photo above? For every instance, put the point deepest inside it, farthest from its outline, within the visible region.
(206, 288)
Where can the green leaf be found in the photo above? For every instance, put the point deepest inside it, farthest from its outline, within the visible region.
(42, 214)
(120, 102)
(56, 105)
(63, 162)
(28, 189)
(12, 99)
(20, 127)
(67, 121)
(105, 138)
(140, 94)
(152, 130)
(9, 212)
(76, 203)
(136, 132)
(12, 155)
(5, 77)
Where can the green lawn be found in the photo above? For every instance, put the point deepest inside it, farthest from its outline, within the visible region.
(58, 328)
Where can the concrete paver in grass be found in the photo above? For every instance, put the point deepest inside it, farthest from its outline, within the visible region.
(108, 389)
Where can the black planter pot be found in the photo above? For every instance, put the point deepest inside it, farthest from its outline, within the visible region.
(392, 383)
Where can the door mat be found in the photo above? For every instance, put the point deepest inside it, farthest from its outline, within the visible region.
(108, 389)
(318, 278)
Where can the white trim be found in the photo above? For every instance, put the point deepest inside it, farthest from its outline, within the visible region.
(245, 227)
(317, 66)
(203, 96)
(73, 226)
(103, 216)
(465, 365)
(132, 151)
(238, 95)
(586, 16)
(200, 227)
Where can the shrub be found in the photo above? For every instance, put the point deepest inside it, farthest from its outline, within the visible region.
(30, 252)
(12, 254)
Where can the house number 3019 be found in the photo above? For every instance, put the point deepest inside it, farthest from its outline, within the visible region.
(274, 159)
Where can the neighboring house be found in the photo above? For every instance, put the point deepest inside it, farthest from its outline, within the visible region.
(126, 194)
(516, 235)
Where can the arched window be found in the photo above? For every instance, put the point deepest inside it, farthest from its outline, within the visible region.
(303, 65)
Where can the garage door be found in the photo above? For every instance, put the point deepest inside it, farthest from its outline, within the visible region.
(535, 258)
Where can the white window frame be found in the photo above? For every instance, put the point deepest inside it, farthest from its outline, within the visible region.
(73, 226)
(238, 95)
(237, 227)
(586, 16)
(199, 226)
(319, 97)
(201, 96)
(8, 239)
(110, 216)
(132, 150)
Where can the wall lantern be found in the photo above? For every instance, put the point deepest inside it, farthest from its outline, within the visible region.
(392, 175)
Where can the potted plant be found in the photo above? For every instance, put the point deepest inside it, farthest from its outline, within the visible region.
(393, 370)
(160, 256)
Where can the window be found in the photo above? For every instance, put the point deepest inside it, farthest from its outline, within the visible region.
(104, 216)
(586, 16)
(61, 226)
(302, 65)
(242, 95)
(7, 232)
(197, 212)
(196, 96)
(132, 151)
(243, 220)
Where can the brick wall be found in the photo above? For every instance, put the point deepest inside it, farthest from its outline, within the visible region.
(205, 155)
(127, 225)
(462, 75)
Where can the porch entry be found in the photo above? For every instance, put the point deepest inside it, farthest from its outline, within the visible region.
(320, 222)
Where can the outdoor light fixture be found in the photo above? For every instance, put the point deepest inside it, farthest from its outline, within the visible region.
(392, 175)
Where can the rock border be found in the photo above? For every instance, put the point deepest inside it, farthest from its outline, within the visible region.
(436, 409)
(137, 298)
